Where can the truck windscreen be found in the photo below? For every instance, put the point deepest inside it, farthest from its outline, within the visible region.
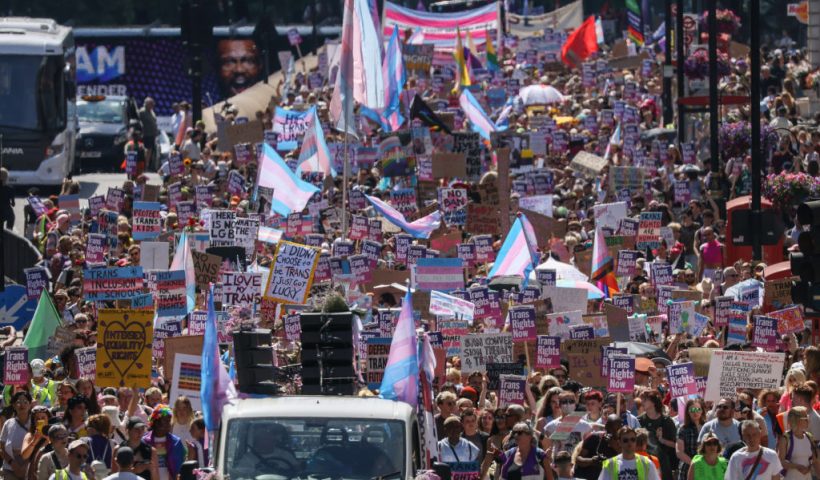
(31, 89)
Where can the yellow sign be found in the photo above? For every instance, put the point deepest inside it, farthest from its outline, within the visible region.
(124, 348)
(799, 11)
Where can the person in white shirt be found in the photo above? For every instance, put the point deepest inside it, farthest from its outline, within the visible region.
(762, 462)
(582, 428)
(456, 451)
(125, 462)
(628, 465)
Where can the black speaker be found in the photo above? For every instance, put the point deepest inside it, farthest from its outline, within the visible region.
(327, 354)
(253, 354)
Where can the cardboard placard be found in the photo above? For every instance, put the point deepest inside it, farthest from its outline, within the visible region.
(478, 349)
(189, 344)
(292, 273)
(545, 227)
(206, 268)
(584, 357)
(588, 164)
(249, 132)
(449, 165)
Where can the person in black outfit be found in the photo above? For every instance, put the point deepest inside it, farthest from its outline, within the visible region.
(596, 448)
(6, 200)
(146, 463)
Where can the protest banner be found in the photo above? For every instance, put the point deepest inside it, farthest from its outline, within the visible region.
(451, 333)
(292, 273)
(124, 348)
(482, 219)
(621, 373)
(112, 283)
(146, 221)
(36, 282)
(71, 204)
(511, 390)
(245, 232)
(87, 362)
(649, 231)
(165, 328)
(764, 334)
(626, 302)
(449, 165)
(222, 228)
(626, 178)
(681, 377)
(522, 323)
(378, 349)
(637, 328)
(15, 368)
(777, 294)
(453, 205)
(442, 274)
(206, 268)
(359, 228)
(241, 289)
(584, 357)
(479, 349)
(449, 306)
(679, 315)
(587, 164)
(625, 264)
(188, 378)
(171, 299)
(547, 352)
(789, 320)
(731, 370)
(404, 200)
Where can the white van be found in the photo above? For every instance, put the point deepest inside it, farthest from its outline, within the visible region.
(317, 437)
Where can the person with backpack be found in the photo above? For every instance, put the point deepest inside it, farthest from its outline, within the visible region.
(57, 458)
(796, 448)
(77, 463)
(754, 461)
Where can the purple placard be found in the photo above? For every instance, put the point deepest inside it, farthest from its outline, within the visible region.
(765, 333)
(293, 326)
(36, 281)
(522, 323)
(512, 390)
(621, 374)
(548, 352)
(16, 371)
(581, 332)
(682, 379)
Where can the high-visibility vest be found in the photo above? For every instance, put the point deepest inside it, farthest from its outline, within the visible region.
(38, 394)
(63, 475)
(613, 466)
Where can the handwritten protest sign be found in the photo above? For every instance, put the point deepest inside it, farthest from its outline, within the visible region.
(112, 283)
(482, 219)
(241, 289)
(649, 231)
(621, 373)
(511, 390)
(789, 320)
(404, 200)
(608, 215)
(222, 228)
(777, 294)
(479, 349)
(15, 370)
(453, 204)
(171, 298)
(731, 370)
(292, 273)
(451, 333)
(87, 362)
(765, 333)
(36, 281)
(206, 268)
(245, 231)
(680, 314)
(584, 357)
(681, 378)
(147, 222)
(548, 352)
(124, 348)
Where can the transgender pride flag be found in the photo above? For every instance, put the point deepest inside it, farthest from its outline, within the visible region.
(519, 253)
(315, 156)
(479, 120)
(290, 193)
(421, 228)
(401, 374)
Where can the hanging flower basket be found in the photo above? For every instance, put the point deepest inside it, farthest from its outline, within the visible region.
(788, 189)
(696, 65)
(727, 21)
(736, 139)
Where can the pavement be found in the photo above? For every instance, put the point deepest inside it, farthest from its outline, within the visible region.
(90, 184)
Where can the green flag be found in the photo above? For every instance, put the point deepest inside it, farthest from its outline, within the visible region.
(43, 324)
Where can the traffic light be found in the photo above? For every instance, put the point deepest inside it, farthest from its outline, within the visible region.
(327, 354)
(806, 263)
(253, 354)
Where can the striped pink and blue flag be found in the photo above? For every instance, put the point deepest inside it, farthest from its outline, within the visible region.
(315, 156)
(216, 388)
(421, 228)
(395, 78)
(360, 76)
(290, 193)
(479, 120)
(184, 260)
(519, 253)
(615, 139)
(442, 274)
(401, 374)
(601, 259)
(439, 29)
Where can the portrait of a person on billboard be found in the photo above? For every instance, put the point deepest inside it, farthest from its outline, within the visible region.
(239, 65)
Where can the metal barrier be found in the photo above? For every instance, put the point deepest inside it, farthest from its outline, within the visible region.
(18, 254)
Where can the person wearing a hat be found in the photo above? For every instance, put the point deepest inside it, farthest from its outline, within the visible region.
(146, 460)
(453, 448)
(171, 451)
(38, 380)
(643, 371)
(77, 463)
(57, 458)
(124, 459)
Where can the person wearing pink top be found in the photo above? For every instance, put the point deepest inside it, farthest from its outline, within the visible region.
(711, 254)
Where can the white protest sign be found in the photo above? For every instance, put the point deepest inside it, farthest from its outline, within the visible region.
(154, 255)
(187, 378)
(731, 370)
(241, 289)
(537, 203)
(478, 350)
(450, 306)
(609, 214)
(222, 228)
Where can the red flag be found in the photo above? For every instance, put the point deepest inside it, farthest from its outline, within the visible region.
(581, 43)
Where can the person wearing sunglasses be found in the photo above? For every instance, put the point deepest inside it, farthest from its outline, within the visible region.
(723, 426)
(708, 464)
(77, 463)
(686, 445)
(597, 448)
(523, 461)
(628, 464)
(568, 402)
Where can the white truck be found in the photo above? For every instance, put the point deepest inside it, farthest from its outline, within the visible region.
(317, 437)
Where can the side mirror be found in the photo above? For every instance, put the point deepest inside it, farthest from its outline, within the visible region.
(187, 470)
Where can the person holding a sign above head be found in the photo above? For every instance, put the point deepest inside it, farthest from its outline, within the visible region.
(524, 461)
(753, 461)
(628, 465)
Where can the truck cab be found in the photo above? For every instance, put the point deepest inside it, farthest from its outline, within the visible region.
(319, 437)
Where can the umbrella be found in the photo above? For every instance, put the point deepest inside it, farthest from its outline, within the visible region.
(540, 95)
(563, 271)
(746, 289)
(658, 134)
(640, 349)
(506, 282)
(593, 292)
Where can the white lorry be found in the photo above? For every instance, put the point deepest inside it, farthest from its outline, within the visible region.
(317, 437)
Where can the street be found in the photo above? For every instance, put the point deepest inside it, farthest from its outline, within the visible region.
(90, 184)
